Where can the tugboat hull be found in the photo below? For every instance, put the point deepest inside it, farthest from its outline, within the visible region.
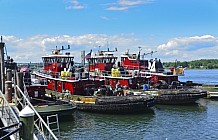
(118, 105)
(178, 97)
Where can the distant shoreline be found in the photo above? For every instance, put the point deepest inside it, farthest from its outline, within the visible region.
(195, 64)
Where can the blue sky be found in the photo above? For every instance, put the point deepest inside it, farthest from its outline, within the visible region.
(177, 29)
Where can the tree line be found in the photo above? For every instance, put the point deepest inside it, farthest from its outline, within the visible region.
(195, 64)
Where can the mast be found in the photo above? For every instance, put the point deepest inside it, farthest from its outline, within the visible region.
(2, 69)
(83, 58)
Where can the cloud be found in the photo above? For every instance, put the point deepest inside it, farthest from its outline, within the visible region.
(132, 2)
(181, 48)
(121, 5)
(32, 48)
(74, 4)
(114, 8)
(104, 18)
(190, 48)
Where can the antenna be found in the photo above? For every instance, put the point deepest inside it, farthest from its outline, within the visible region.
(68, 47)
(139, 48)
(150, 53)
(139, 52)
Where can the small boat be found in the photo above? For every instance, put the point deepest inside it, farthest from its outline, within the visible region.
(115, 104)
(47, 108)
(60, 109)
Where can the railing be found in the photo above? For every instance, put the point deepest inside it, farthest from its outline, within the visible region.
(121, 74)
(41, 127)
(45, 75)
(10, 117)
(9, 134)
(132, 67)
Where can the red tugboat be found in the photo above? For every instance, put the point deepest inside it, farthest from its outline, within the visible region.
(103, 61)
(153, 68)
(133, 61)
(170, 90)
(103, 65)
(132, 72)
(62, 75)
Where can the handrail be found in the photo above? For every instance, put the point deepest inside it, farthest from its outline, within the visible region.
(5, 100)
(12, 132)
(37, 114)
(122, 74)
(9, 112)
(3, 128)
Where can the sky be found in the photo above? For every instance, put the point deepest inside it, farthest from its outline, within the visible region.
(181, 30)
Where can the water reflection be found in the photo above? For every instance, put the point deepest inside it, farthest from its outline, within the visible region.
(105, 126)
(184, 122)
(177, 108)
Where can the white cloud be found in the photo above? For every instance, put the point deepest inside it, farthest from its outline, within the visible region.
(114, 8)
(74, 4)
(190, 48)
(132, 2)
(183, 48)
(121, 5)
(104, 18)
(32, 48)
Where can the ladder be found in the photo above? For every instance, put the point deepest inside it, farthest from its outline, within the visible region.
(53, 124)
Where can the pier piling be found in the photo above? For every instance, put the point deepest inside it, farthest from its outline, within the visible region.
(9, 75)
(19, 82)
(27, 119)
(8, 91)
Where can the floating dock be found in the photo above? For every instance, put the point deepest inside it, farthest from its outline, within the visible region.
(212, 90)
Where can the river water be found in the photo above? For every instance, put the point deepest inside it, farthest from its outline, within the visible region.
(201, 76)
(162, 122)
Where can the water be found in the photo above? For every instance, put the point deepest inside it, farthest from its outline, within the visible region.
(201, 76)
(161, 123)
